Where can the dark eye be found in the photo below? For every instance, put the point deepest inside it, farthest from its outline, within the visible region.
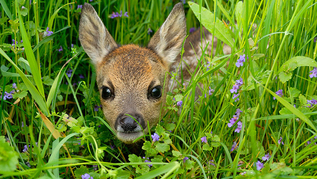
(156, 92)
(106, 93)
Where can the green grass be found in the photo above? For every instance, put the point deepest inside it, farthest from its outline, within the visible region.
(281, 53)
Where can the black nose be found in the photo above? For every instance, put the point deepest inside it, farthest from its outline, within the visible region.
(129, 123)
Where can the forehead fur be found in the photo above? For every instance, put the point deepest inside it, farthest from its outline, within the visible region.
(131, 62)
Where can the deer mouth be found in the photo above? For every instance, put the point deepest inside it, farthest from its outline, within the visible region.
(129, 137)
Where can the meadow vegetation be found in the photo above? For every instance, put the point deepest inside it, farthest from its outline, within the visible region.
(255, 118)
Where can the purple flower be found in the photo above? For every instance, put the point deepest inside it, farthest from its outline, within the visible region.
(211, 162)
(69, 72)
(313, 73)
(14, 85)
(126, 14)
(48, 33)
(239, 82)
(279, 92)
(149, 31)
(240, 61)
(79, 6)
(204, 139)
(150, 165)
(28, 164)
(259, 165)
(155, 137)
(312, 102)
(185, 158)
(231, 122)
(280, 141)
(96, 108)
(234, 88)
(25, 149)
(179, 103)
(234, 146)
(238, 129)
(210, 91)
(72, 45)
(60, 49)
(81, 76)
(266, 157)
(315, 39)
(7, 95)
(191, 30)
(238, 112)
(95, 167)
(86, 176)
(235, 96)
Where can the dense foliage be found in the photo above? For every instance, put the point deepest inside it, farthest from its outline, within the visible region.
(256, 116)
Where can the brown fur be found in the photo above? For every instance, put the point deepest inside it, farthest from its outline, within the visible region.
(132, 73)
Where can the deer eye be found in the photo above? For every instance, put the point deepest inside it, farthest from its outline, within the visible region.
(106, 93)
(156, 92)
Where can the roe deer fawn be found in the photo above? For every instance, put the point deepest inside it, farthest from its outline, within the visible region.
(131, 78)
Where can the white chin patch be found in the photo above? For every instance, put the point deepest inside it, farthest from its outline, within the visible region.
(128, 138)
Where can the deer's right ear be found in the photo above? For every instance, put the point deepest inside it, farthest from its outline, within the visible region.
(93, 35)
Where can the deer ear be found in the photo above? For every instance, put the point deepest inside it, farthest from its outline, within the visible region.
(167, 41)
(93, 35)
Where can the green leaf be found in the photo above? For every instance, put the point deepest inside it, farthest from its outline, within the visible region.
(8, 157)
(162, 147)
(24, 64)
(147, 146)
(168, 169)
(178, 97)
(293, 92)
(24, 11)
(48, 81)
(31, 58)
(207, 147)
(295, 62)
(302, 100)
(6, 9)
(21, 94)
(284, 77)
(189, 164)
(217, 28)
(159, 130)
(170, 126)
(81, 171)
(176, 153)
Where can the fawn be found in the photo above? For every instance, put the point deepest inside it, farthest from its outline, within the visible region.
(130, 78)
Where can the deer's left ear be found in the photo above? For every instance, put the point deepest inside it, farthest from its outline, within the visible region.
(167, 41)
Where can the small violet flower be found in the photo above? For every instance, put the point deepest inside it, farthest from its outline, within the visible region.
(179, 103)
(313, 73)
(259, 165)
(69, 73)
(81, 76)
(116, 14)
(149, 31)
(48, 33)
(14, 85)
(280, 141)
(60, 49)
(204, 139)
(266, 157)
(185, 158)
(240, 61)
(234, 146)
(96, 108)
(86, 176)
(150, 165)
(279, 92)
(191, 30)
(238, 129)
(312, 102)
(79, 6)
(25, 149)
(155, 137)
(211, 162)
